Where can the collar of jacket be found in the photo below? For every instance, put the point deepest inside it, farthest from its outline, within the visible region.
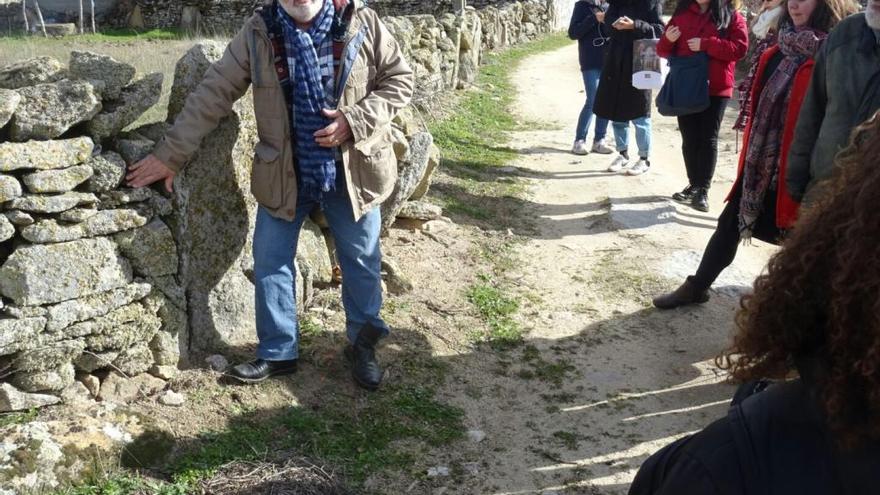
(870, 39)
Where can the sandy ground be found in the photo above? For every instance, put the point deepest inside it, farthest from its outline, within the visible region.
(602, 380)
(634, 378)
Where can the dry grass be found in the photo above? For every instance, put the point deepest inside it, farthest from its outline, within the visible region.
(147, 56)
(295, 477)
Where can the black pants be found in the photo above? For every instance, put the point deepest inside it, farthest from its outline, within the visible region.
(699, 141)
(722, 247)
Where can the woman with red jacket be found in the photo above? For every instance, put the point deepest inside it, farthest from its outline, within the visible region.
(714, 27)
(759, 204)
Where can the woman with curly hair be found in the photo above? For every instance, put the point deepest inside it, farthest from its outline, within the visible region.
(813, 323)
(759, 204)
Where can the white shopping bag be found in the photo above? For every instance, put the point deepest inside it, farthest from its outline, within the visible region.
(649, 71)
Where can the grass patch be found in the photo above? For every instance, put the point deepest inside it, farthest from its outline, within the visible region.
(541, 369)
(567, 439)
(497, 310)
(114, 35)
(358, 440)
(475, 135)
(18, 418)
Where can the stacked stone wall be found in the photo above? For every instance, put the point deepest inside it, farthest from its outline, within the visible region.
(99, 281)
(88, 268)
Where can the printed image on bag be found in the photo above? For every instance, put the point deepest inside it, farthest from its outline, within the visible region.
(648, 71)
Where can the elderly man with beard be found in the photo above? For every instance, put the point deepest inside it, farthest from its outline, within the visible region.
(844, 92)
(327, 80)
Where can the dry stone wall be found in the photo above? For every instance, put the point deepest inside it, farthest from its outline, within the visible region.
(82, 259)
(99, 282)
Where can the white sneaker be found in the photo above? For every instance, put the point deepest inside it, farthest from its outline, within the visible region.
(602, 148)
(639, 168)
(580, 147)
(620, 162)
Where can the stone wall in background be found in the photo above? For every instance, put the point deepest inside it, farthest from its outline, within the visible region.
(226, 16)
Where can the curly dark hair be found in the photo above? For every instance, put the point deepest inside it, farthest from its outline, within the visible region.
(820, 298)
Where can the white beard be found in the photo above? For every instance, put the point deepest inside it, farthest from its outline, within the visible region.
(872, 17)
(303, 13)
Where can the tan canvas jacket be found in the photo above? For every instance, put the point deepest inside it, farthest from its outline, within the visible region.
(377, 83)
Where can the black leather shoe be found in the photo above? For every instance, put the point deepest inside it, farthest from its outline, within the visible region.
(700, 201)
(688, 293)
(260, 369)
(365, 368)
(685, 195)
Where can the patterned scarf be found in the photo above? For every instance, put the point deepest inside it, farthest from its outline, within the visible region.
(745, 87)
(310, 62)
(765, 138)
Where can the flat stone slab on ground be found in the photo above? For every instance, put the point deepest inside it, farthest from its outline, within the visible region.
(734, 281)
(636, 215)
(121, 389)
(12, 399)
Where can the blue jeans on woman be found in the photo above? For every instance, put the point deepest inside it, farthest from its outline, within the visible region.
(591, 84)
(643, 136)
(357, 247)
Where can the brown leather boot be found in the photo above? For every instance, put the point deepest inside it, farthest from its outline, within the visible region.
(688, 293)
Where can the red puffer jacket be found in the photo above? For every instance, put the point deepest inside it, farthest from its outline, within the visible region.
(723, 52)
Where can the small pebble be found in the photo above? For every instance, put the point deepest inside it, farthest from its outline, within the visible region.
(438, 471)
(476, 436)
(217, 362)
(172, 398)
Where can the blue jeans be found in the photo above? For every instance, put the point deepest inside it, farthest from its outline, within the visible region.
(357, 247)
(591, 84)
(643, 135)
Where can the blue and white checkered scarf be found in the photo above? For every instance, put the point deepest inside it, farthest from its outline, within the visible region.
(310, 62)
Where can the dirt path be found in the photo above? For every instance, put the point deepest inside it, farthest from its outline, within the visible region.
(604, 379)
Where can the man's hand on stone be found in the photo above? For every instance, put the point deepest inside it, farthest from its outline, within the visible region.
(148, 171)
(336, 133)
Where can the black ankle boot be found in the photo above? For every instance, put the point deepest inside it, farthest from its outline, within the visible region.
(365, 368)
(260, 369)
(700, 200)
(688, 293)
(686, 194)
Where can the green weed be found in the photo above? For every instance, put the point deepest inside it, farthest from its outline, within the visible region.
(18, 418)
(497, 311)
